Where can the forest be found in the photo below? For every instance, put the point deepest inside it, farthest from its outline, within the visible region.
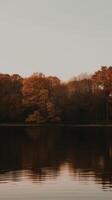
(46, 99)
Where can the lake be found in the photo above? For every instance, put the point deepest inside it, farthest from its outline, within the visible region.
(55, 163)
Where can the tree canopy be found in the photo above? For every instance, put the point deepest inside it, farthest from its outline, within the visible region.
(46, 99)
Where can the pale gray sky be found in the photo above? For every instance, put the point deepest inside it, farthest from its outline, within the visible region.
(56, 37)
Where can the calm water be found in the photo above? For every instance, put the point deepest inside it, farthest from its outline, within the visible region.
(55, 163)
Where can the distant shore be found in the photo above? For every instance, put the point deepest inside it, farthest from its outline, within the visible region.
(59, 125)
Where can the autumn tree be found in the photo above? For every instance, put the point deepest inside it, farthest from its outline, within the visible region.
(103, 79)
(38, 99)
(10, 97)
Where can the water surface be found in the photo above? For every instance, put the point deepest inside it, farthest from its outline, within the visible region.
(57, 163)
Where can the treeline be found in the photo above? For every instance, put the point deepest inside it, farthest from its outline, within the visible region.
(41, 99)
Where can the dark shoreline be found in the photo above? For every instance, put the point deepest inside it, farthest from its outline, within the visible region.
(59, 125)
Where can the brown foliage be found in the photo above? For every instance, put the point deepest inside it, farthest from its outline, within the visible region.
(41, 99)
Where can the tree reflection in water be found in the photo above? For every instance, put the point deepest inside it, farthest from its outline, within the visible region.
(41, 153)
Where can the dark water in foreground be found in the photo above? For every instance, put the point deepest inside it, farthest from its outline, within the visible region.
(52, 163)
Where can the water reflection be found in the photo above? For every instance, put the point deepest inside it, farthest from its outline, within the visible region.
(42, 153)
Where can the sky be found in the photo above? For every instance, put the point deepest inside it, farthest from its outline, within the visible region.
(57, 37)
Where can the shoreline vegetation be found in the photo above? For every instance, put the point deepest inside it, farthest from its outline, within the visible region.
(58, 125)
(40, 100)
